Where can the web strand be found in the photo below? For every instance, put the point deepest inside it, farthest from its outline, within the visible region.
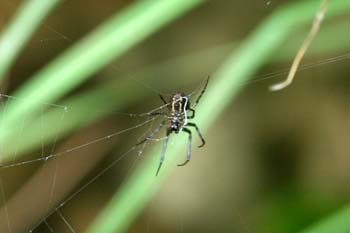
(43, 103)
(76, 147)
(76, 193)
(271, 75)
(65, 220)
(48, 226)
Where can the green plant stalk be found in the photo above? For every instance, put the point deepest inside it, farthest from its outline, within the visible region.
(27, 18)
(133, 196)
(337, 223)
(110, 40)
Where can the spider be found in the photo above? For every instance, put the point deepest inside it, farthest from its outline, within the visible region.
(177, 115)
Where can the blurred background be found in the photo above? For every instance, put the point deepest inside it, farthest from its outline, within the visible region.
(274, 161)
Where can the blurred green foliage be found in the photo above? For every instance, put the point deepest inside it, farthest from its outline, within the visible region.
(115, 37)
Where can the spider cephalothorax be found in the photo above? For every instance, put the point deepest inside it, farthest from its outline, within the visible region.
(179, 111)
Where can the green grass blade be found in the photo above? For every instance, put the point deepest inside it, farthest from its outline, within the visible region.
(337, 223)
(132, 197)
(27, 18)
(110, 40)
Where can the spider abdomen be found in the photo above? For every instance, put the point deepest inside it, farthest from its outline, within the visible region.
(176, 122)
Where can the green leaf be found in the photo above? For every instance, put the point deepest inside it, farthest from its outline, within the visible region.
(27, 18)
(337, 223)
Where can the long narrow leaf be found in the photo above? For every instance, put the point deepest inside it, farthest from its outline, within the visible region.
(337, 223)
(27, 18)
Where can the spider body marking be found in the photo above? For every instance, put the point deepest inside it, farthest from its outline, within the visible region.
(178, 107)
(176, 121)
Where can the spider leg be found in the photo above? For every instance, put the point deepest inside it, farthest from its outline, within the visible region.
(198, 132)
(188, 147)
(157, 114)
(202, 92)
(193, 113)
(151, 135)
(162, 98)
(162, 156)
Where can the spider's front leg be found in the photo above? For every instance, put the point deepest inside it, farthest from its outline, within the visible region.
(201, 94)
(162, 98)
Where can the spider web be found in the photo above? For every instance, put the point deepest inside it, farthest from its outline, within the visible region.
(49, 153)
(48, 157)
(50, 161)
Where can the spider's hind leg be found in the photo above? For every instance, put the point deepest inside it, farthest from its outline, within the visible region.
(162, 156)
(193, 113)
(151, 135)
(198, 132)
(188, 147)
